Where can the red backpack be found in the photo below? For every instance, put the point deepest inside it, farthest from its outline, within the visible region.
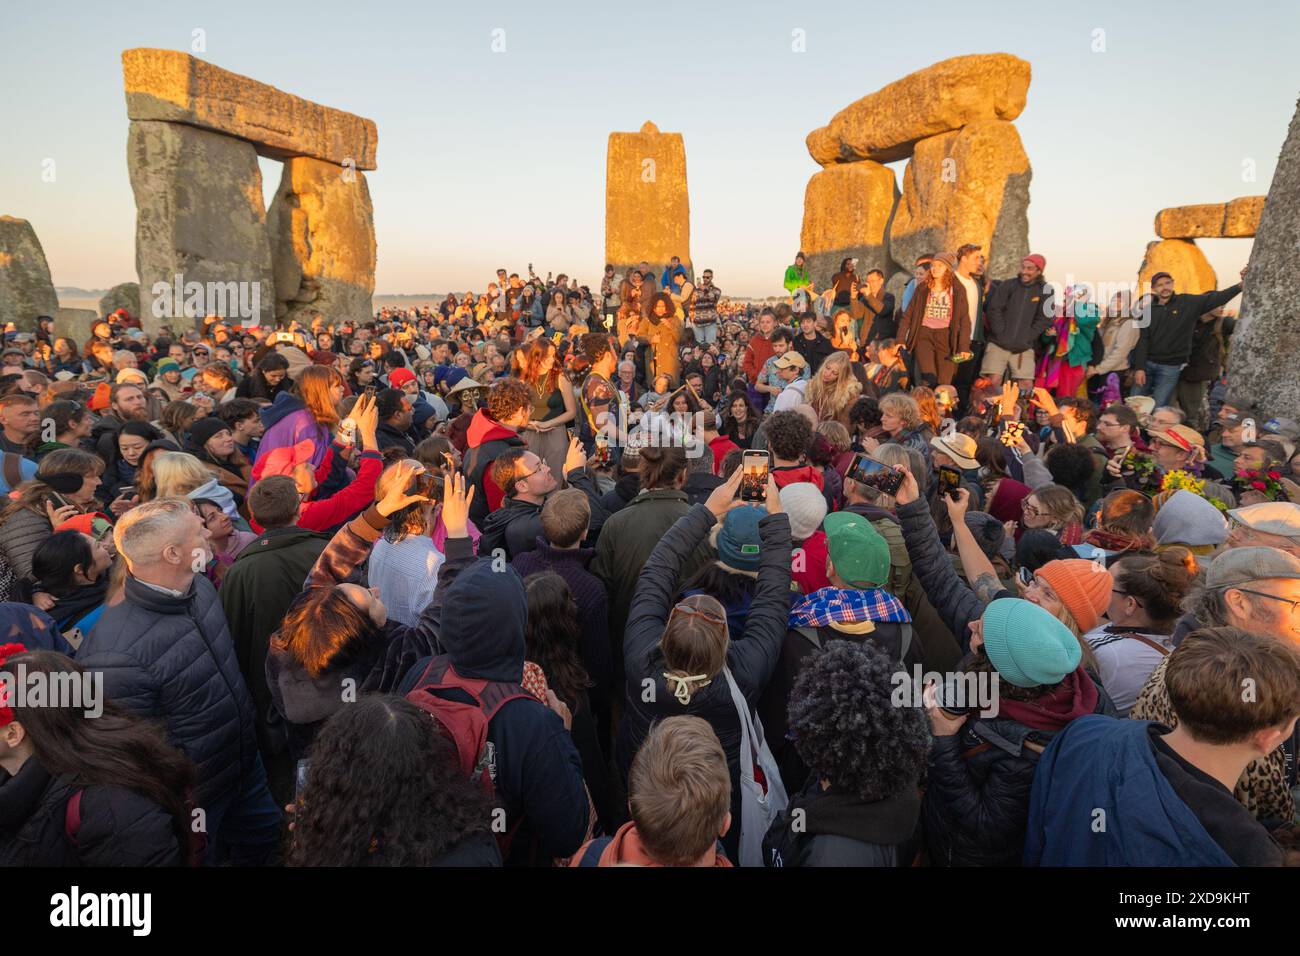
(462, 708)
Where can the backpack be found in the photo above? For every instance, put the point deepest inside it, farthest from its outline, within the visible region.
(462, 708)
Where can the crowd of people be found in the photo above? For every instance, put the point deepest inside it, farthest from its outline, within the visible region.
(645, 575)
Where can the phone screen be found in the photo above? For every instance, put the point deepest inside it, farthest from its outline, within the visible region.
(949, 481)
(875, 474)
(754, 469)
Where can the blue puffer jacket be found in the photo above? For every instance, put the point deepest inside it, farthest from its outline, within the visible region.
(172, 658)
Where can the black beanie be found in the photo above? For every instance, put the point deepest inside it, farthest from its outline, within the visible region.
(203, 430)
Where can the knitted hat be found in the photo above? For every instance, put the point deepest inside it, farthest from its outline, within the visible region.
(205, 428)
(988, 531)
(133, 375)
(322, 357)
(168, 365)
(1028, 646)
(1083, 587)
(1187, 518)
(1037, 260)
(856, 549)
(738, 542)
(806, 507)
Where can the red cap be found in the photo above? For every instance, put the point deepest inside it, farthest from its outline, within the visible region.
(1037, 260)
(400, 376)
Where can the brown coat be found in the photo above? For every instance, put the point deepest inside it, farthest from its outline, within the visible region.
(958, 329)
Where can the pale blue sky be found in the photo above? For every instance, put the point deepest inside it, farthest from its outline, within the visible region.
(490, 159)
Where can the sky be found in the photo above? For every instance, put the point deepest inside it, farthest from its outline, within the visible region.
(491, 159)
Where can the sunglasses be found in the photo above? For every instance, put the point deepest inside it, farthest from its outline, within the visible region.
(698, 612)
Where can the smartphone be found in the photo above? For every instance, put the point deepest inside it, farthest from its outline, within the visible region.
(425, 485)
(875, 474)
(1026, 576)
(1025, 392)
(602, 455)
(950, 698)
(949, 481)
(368, 392)
(755, 467)
(284, 336)
(300, 779)
(126, 491)
(1012, 432)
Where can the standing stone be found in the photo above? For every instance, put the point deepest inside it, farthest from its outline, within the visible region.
(200, 216)
(124, 295)
(647, 209)
(967, 186)
(885, 126)
(79, 324)
(846, 212)
(322, 231)
(1182, 259)
(26, 290)
(1266, 344)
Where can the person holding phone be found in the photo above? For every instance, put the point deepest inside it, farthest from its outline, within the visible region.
(64, 487)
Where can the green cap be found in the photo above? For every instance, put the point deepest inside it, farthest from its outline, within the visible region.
(859, 553)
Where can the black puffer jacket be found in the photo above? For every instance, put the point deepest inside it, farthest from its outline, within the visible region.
(118, 827)
(172, 658)
(751, 661)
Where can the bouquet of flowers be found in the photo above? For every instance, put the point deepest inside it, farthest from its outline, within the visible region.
(1268, 482)
(1182, 480)
(1143, 466)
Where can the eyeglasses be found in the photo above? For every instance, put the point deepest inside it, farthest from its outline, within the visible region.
(698, 612)
(1271, 597)
(1136, 601)
(1030, 510)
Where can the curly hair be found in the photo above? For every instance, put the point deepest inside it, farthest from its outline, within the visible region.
(384, 789)
(508, 397)
(788, 435)
(1071, 466)
(846, 729)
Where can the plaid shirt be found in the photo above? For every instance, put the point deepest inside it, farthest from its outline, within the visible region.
(847, 606)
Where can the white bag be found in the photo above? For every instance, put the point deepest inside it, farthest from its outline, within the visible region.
(757, 809)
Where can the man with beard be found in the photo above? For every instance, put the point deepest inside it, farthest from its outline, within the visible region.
(126, 403)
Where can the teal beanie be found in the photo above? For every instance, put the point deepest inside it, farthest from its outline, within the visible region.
(1028, 646)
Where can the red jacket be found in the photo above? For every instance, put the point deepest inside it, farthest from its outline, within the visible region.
(757, 353)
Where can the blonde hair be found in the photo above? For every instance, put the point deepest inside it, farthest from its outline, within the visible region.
(177, 473)
(835, 433)
(902, 406)
(143, 532)
(833, 401)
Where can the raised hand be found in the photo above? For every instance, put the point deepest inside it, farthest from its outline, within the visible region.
(455, 505)
(398, 497)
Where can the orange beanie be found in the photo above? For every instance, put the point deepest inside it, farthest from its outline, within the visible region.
(1083, 587)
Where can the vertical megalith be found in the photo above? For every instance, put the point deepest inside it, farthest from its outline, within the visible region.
(1266, 344)
(26, 290)
(201, 244)
(322, 232)
(846, 213)
(647, 210)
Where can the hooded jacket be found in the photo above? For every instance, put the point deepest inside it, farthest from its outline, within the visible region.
(488, 439)
(172, 658)
(751, 661)
(838, 828)
(537, 770)
(1160, 810)
(517, 525)
(288, 421)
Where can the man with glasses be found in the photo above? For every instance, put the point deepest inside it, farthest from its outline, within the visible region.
(1272, 524)
(1258, 590)
(526, 479)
